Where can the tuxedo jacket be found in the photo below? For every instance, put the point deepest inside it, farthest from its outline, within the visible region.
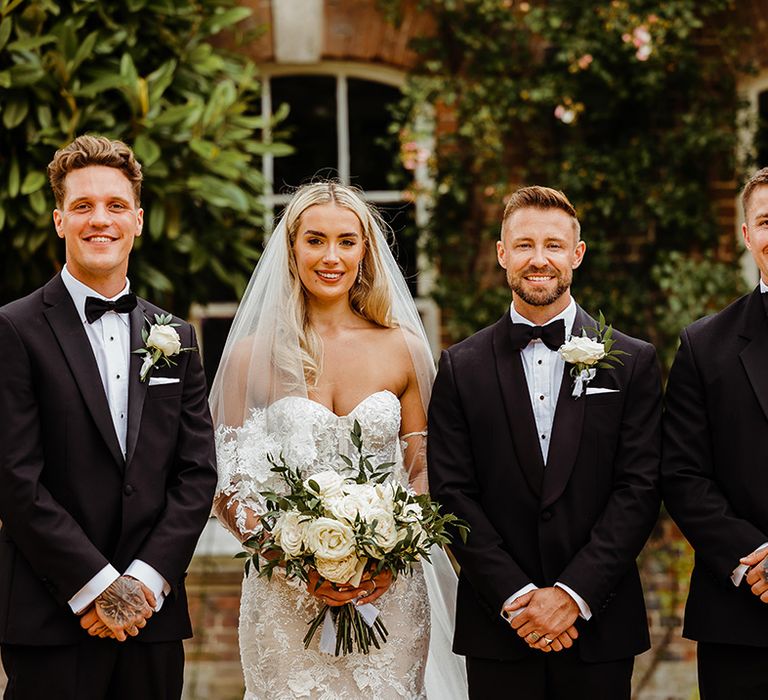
(581, 519)
(70, 502)
(715, 465)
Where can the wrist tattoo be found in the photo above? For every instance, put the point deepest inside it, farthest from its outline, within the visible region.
(121, 602)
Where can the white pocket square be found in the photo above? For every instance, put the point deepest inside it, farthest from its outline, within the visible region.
(599, 390)
(153, 381)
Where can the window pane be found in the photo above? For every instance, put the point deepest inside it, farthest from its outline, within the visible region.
(402, 221)
(373, 151)
(310, 126)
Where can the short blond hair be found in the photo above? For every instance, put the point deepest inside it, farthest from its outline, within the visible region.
(538, 197)
(93, 150)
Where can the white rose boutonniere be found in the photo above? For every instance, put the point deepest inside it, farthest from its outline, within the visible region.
(587, 355)
(161, 343)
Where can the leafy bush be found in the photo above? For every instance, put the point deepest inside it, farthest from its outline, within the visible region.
(147, 72)
(628, 106)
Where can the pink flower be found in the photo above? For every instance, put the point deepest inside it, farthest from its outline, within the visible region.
(584, 61)
(565, 115)
(626, 38)
(643, 53)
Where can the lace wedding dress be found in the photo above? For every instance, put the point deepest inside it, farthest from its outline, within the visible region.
(274, 613)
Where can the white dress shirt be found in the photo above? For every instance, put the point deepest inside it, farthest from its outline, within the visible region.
(544, 375)
(110, 339)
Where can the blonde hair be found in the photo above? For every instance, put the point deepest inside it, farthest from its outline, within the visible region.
(369, 297)
(538, 197)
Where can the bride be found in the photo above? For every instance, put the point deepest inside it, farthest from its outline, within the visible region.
(327, 334)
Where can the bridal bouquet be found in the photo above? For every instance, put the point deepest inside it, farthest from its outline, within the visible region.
(344, 526)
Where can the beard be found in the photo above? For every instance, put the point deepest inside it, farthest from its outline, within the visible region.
(539, 296)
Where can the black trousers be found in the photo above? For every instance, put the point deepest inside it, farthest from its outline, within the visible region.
(728, 671)
(554, 676)
(95, 669)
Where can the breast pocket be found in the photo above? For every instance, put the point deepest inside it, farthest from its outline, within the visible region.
(164, 391)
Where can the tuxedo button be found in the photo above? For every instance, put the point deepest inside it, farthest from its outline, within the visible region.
(546, 515)
(128, 489)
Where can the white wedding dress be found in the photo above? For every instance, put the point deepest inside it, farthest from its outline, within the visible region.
(274, 613)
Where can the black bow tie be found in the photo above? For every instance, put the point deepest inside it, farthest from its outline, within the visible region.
(552, 335)
(95, 308)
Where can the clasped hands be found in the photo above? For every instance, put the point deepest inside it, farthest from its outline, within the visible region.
(371, 588)
(122, 610)
(546, 623)
(757, 574)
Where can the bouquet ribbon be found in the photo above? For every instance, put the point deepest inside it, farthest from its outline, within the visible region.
(581, 380)
(368, 612)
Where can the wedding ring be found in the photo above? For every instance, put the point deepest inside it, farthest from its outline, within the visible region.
(548, 640)
(535, 636)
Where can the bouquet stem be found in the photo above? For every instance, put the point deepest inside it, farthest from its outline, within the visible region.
(352, 631)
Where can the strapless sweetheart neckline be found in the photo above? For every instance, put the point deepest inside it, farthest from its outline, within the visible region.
(325, 408)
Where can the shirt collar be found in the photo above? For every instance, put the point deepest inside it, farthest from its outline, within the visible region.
(568, 315)
(763, 286)
(79, 291)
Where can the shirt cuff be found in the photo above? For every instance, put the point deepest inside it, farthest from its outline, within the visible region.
(93, 589)
(143, 572)
(584, 609)
(510, 615)
(737, 576)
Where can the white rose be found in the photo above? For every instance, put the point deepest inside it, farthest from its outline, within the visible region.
(411, 513)
(165, 339)
(329, 482)
(385, 534)
(330, 539)
(289, 533)
(337, 570)
(347, 506)
(582, 350)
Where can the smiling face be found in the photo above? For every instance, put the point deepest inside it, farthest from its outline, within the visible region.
(328, 248)
(755, 228)
(539, 249)
(98, 220)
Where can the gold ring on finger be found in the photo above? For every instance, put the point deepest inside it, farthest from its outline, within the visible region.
(535, 636)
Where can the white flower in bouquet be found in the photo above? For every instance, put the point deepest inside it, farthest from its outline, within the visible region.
(338, 570)
(347, 506)
(330, 539)
(289, 533)
(411, 513)
(330, 484)
(385, 532)
(582, 350)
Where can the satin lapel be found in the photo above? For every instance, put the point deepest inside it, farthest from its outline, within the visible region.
(566, 429)
(137, 390)
(68, 329)
(754, 356)
(517, 404)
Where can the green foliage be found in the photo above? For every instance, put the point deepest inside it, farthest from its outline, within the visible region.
(147, 72)
(628, 106)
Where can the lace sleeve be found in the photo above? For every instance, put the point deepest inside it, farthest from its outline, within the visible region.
(415, 460)
(244, 472)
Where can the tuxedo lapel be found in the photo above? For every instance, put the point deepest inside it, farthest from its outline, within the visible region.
(68, 329)
(755, 353)
(137, 390)
(566, 428)
(517, 404)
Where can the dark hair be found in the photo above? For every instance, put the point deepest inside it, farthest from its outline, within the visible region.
(537, 197)
(93, 150)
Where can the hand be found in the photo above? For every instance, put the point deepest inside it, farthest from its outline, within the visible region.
(125, 607)
(92, 624)
(549, 614)
(757, 576)
(335, 595)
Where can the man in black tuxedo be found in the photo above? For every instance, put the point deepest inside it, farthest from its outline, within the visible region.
(714, 474)
(106, 480)
(557, 481)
